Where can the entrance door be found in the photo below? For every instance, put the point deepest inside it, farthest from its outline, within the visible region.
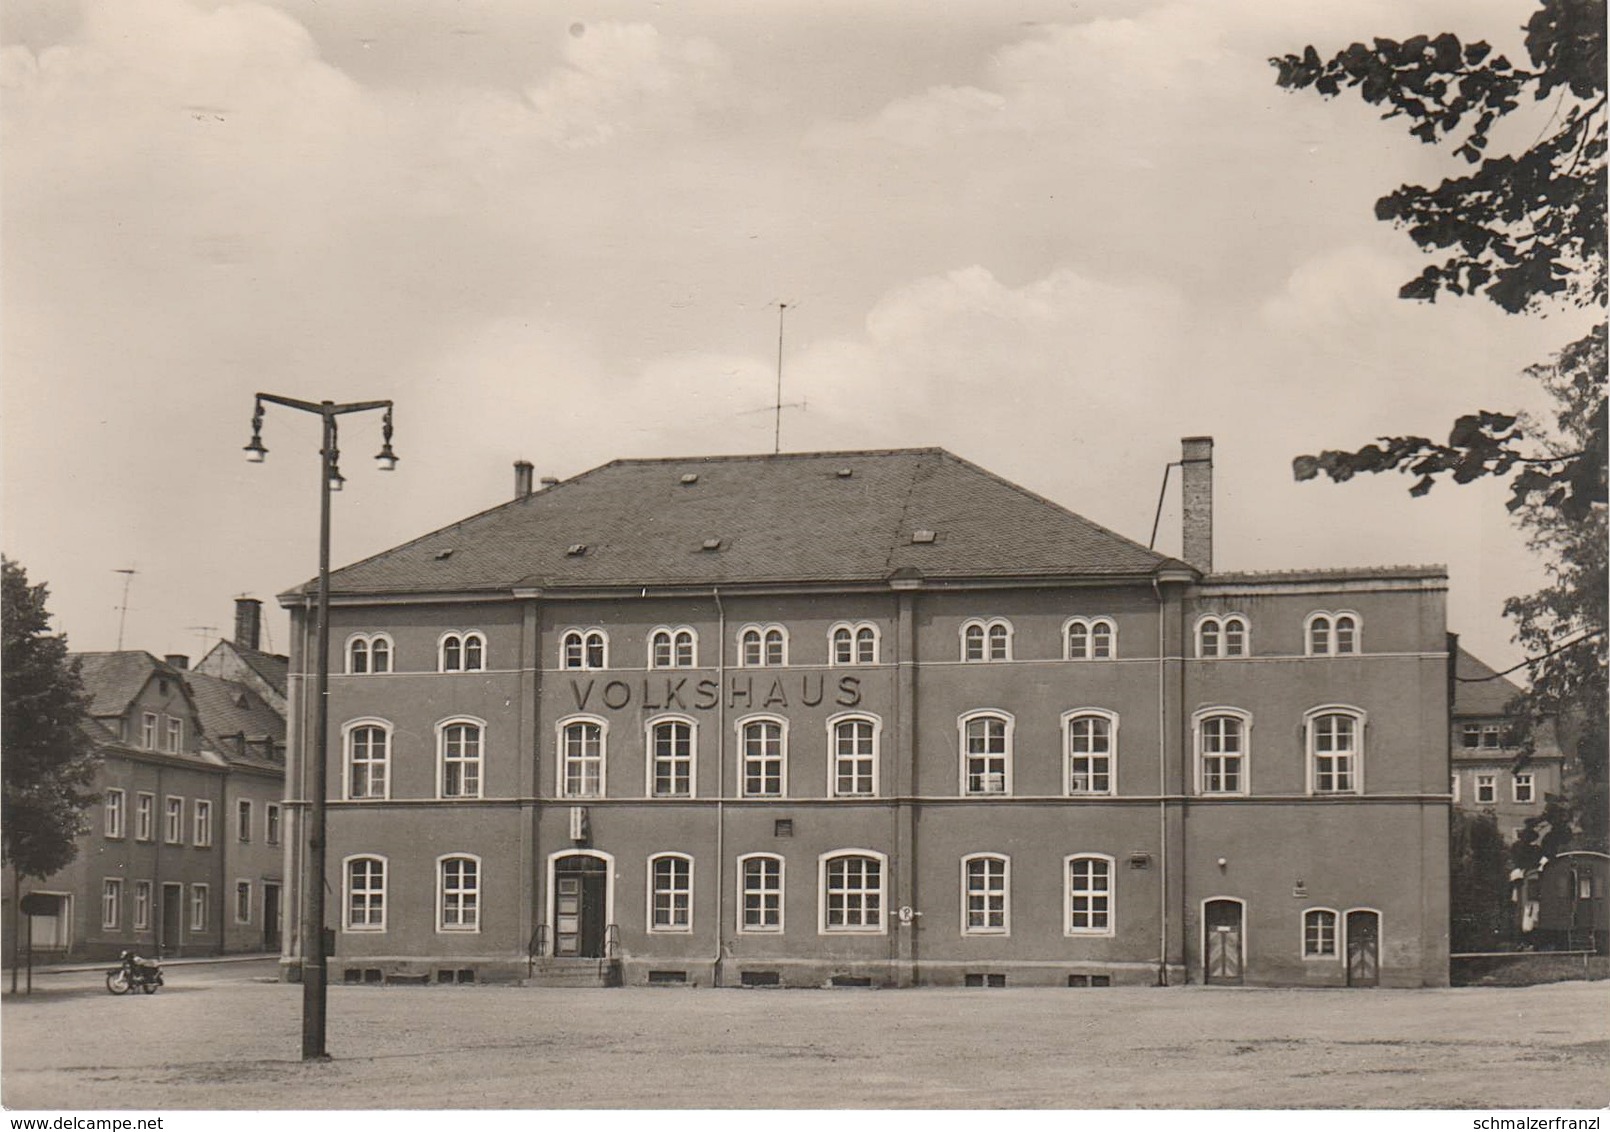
(1363, 949)
(1222, 957)
(172, 919)
(579, 892)
(271, 917)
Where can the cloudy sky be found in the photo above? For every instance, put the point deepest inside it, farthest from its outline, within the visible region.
(1053, 236)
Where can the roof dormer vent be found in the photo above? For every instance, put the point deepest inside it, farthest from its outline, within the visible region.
(444, 555)
(576, 549)
(922, 535)
(845, 473)
(712, 544)
(689, 478)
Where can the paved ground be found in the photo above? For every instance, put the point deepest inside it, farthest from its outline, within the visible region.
(215, 1038)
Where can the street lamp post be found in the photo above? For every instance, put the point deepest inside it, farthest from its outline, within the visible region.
(315, 984)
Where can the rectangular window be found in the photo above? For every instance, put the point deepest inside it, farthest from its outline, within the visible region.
(762, 894)
(1221, 755)
(854, 757)
(985, 896)
(672, 897)
(148, 730)
(366, 894)
(1523, 788)
(271, 824)
(145, 817)
(173, 826)
(198, 907)
(986, 755)
(1470, 736)
(111, 904)
(1089, 755)
(1492, 735)
(763, 759)
(461, 760)
(673, 759)
(461, 894)
(1486, 789)
(1319, 934)
(175, 735)
(243, 819)
(854, 892)
(203, 823)
(243, 902)
(1453, 787)
(1089, 896)
(114, 813)
(582, 749)
(142, 905)
(1335, 753)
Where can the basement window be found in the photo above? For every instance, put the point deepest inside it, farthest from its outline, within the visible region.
(983, 980)
(667, 978)
(851, 981)
(760, 979)
(1090, 980)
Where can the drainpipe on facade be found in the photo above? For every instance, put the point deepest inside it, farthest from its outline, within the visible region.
(1162, 788)
(159, 834)
(721, 780)
(220, 832)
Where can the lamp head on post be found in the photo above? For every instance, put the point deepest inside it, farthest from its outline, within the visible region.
(386, 458)
(255, 452)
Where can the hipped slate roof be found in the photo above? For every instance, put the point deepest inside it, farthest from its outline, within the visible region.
(780, 519)
(1479, 690)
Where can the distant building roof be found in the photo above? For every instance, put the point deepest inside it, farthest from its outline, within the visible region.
(113, 679)
(794, 518)
(269, 666)
(1479, 690)
(228, 709)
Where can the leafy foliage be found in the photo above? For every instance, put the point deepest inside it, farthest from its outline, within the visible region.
(48, 761)
(1478, 912)
(1522, 227)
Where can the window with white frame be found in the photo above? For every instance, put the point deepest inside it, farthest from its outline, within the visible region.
(762, 646)
(764, 744)
(1218, 636)
(1090, 638)
(1332, 634)
(460, 742)
(1453, 786)
(145, 817)
(173, 821)
(581, 758)
(1090, 895)
(673, 648)
(1221, 751)
(855, 756)
(584, 649)
(175, 735)
(1319, 934)
(464, 652)
(111, 903)
(459, 909)
(366, 894)
(243, 819)
(854, 643)
(271, 824)
(670, 893)
(1090, 738)
(368, 744)
(851, 887)
(986, 753)
(1521, 788)
(761, 893)
(243, 902)
(142, 905)
(1335, 750)
(1346, 639)
(113, 813)
(671, 758)
(1486, 789)
(148, 730)
(200, 898)
(203, 823)
(984, 894)
(368, 653)
(984, 641)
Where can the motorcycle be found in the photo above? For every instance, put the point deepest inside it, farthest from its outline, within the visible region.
(134, 973)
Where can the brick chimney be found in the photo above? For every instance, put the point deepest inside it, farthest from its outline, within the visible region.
(523, 471)
(248, 622)
(1196, 466)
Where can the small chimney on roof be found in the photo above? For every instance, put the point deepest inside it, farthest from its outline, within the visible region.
(248, 622)
(1196, 467)
(523, 471)
(550, 481)
(177, 660)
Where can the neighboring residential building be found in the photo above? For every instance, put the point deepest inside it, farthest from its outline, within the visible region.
(183, 856)
(872, 717)
(1486, 773)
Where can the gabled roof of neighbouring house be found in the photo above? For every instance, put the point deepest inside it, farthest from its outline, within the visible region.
(274, 669)
(794, 518)
(1479, 690)
(113, 679)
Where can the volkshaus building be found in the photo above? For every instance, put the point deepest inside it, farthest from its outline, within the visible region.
(871, 718)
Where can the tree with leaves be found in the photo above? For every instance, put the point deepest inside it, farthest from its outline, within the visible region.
(1525, 230)
(49, 762)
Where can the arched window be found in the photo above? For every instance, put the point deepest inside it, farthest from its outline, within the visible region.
(854, 766)
(584, 649)
(1221, 750)
(458, 742)
(1222, 636)
(1318, 634)
(764, 747)
(854, 644)
(986, 744)
(762, 646)
(581, 758)
(673, 648)
(365, 901)
(458, 905)
(1346, 633)
(984, 641)
(358, 655)
(368, 749)
(760, 893)
(670, 894)
(671, 750)
(1090, 737)
(1335, 750)
(1089, 891)
(1319, 934)
(851, 888)
(1332, 634)
(986, 907)
(368, 653)
(1090, 638)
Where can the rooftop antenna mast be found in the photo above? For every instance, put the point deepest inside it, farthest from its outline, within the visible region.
(777, 428)
(123, 610)
(205, 632)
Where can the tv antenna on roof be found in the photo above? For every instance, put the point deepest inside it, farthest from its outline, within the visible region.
(205, 632)
(123, 610)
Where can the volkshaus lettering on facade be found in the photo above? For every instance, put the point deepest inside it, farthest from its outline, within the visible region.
(685, 693)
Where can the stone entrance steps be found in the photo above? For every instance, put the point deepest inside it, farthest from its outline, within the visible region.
(550, 972)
